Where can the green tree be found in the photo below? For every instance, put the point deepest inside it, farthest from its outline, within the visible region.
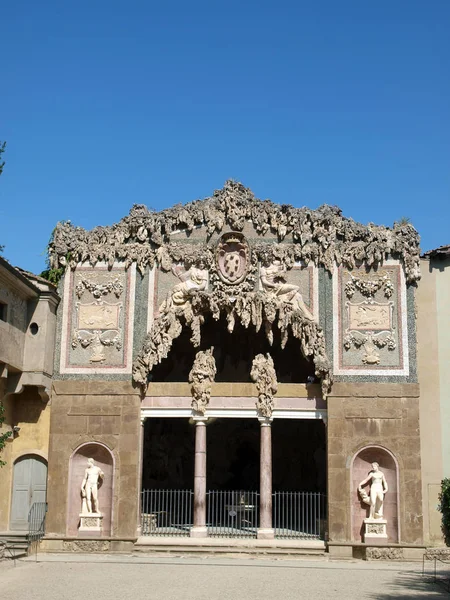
(3, 436)
(444, 507)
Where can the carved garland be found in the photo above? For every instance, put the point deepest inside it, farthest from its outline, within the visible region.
(255, 308)
(369, 287)
(322, 236)
(97, 289)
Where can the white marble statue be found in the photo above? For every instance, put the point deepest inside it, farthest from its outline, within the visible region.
(193, 280)
(273, 280)
(89, 488)
(378, 488)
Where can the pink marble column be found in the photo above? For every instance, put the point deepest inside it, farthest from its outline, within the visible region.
(140, 465)
(265, 530)
(199, 529)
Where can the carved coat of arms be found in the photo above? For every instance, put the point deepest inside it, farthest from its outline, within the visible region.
(232, 257)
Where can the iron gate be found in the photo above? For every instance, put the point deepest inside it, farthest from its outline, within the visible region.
(232, 513)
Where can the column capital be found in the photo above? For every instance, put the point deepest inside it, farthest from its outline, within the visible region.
(200, 419)
(143, 419)
(265, 421)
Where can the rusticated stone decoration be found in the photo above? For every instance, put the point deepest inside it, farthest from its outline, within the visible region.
(384, 553)
(255, 308)
(323, 236)
(201, 379)
(265, 378)
(86, 546)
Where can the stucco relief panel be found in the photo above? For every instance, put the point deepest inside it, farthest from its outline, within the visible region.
(370, 324)
(98, 320)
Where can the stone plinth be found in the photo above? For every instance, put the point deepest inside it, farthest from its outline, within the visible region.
(90, 523)
(375, 531)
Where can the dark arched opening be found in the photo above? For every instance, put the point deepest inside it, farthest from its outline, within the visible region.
(234, 353)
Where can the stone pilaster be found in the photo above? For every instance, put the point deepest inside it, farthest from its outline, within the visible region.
(139, 485)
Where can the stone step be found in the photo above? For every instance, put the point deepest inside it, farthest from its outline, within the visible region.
(229, 547)
(228, 550)
(16, 543)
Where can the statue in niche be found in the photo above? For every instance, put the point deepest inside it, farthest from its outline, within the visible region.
(201, 378)
(378, 488)
(192, 280)
(273, 280)
(89, 488)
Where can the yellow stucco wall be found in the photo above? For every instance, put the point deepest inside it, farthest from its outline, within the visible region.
(32, 415)
(433, 343)
(441, 270)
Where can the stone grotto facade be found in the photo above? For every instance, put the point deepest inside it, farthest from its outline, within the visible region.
(215, 357)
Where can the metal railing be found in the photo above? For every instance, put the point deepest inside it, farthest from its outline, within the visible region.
(36, 525)
(166, 512)
(440, 572)
(232, 513)
(299, 515)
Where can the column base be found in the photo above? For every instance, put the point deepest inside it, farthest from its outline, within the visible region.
(199, 532)
(265, 534)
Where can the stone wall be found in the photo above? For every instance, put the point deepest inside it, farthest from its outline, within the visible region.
(382, 416)
(87, 412)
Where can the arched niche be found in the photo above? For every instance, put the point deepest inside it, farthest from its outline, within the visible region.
(78, 463)
(361, 466)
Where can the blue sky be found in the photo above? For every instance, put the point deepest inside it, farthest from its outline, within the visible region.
(107, 104)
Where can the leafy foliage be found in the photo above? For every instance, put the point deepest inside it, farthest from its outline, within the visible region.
(2, 149)
(444, 507)
(3, 436)
(51, 273)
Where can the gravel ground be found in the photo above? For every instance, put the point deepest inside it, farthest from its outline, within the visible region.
(73, 577)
